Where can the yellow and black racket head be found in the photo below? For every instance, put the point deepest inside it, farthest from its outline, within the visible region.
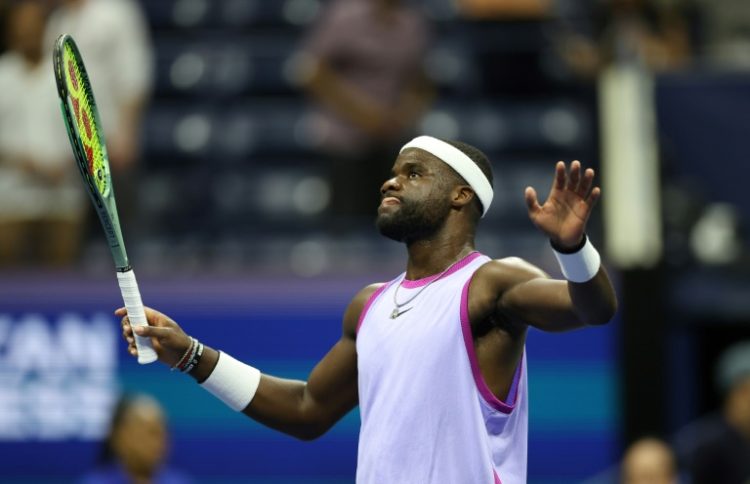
(83, 120)
(87, 138)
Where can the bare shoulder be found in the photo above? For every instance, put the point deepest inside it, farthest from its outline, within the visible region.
(357, 304)
(503, 273)
(359, 300)
(497, 277)
(516, 264)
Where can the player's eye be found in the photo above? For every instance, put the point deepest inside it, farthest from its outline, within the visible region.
(414, 174)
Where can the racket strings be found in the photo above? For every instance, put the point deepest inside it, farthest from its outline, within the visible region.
(82, 101)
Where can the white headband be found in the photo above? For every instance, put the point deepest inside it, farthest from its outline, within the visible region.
(462, 164)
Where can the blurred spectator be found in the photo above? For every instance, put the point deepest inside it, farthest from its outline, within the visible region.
(649, 461)
(113, 38)
(114, 42)
(135, 449)
(363, 67)
(725, 29)
(653, 34)
(41, 196)
(716, 449)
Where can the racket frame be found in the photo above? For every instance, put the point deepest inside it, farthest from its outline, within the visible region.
(104, 203)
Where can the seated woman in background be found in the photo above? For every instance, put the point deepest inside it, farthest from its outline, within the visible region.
(135, 450)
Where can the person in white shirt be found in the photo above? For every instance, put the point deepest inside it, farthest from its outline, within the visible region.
(41, 197)
(114, 41)
(113, 38)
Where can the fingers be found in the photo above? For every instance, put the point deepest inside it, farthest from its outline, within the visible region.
(153, 332)
(576, 180)
(127, 334)
(559, 182)
(149, 331)
(168, 339)
(161, 334)
(127, 330)
(154, 317)
(586, 181)
(532, 202)
(594, 196)
(574, 177)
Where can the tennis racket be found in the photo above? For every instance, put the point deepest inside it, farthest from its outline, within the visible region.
(87, 140)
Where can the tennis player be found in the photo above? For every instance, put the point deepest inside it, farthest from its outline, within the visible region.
(435, 358)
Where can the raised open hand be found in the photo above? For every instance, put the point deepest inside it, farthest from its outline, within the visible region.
(564, 214)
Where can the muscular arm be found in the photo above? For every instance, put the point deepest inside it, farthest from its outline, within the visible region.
(517, 291)
(302, 409)
(306, 410)
(533, 298)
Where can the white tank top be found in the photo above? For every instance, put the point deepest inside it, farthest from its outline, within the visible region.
(427, 414)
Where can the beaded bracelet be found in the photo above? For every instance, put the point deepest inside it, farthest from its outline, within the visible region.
(194, 359)
(185, 357)
(193, 351)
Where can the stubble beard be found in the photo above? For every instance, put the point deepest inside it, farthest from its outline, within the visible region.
(413, 221)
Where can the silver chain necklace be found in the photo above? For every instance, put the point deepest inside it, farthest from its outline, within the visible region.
(397, 311)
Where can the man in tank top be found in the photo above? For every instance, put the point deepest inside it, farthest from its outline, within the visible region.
(435, 358)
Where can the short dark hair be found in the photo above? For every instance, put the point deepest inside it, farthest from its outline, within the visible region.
(477, 156)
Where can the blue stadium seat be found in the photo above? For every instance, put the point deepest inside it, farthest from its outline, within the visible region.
(235, 14)
(218, 67)
(508, 126)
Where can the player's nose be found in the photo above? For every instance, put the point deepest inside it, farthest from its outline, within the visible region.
(390, 185)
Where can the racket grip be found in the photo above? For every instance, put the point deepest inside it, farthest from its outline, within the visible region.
(136, 314)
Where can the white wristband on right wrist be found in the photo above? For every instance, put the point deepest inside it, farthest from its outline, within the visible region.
(580, 266)
(233, 382)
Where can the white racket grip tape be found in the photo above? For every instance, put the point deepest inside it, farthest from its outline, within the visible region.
(136, 314)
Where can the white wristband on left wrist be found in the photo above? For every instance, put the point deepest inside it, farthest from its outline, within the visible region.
(582, 265)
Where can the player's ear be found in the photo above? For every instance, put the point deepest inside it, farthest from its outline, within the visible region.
(462, 195)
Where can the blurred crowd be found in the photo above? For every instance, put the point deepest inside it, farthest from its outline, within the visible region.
(713, 449)
(371, 72)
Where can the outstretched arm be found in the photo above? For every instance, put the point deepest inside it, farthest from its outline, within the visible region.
(528, 295)
(558, 305)
(302, 409)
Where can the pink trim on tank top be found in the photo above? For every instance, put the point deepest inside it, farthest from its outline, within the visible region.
(484, 390)
(497, 478)
(457, 266)
(368, 303)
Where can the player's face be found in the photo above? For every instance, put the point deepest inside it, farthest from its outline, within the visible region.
(415, 200)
